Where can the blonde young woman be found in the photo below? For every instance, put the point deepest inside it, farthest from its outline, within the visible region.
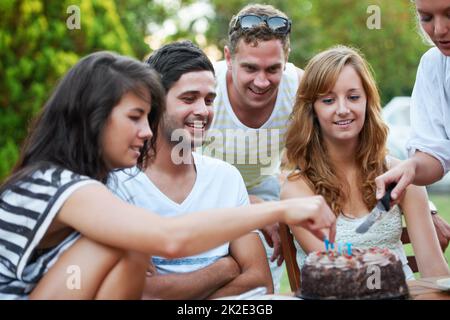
(336, 145)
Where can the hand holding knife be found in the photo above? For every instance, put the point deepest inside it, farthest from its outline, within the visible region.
(383, 205)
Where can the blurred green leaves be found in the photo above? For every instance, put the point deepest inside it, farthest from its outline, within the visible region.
(393, 50)
(37, 47)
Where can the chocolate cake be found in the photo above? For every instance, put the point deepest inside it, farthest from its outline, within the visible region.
(365, 274)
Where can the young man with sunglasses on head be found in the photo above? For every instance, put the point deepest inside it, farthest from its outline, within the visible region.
(256, 88)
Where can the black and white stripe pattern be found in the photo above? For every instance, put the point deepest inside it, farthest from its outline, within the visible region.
(27, 209)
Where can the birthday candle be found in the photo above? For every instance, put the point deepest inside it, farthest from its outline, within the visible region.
(327, 243)
(332, 245)
(339, 248)
(349, 248)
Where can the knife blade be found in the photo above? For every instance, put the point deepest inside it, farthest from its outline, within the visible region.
(383, 205)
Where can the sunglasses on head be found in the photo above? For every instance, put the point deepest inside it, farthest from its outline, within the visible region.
(277, 24)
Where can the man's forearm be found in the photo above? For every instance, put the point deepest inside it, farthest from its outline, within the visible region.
(243, 283)
(248, 251)
(428, 169)
(198, 284)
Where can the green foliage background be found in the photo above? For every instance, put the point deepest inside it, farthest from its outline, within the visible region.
(37, 48)
(393, 50)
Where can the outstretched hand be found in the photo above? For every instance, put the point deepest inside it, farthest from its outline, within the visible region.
(272, 235)
(314, 214)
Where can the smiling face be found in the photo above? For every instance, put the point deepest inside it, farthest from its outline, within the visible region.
(434, 17)
(256, 73)
(189, 107)
(341, 113)
(125, 131)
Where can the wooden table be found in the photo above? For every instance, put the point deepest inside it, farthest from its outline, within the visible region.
(421, 289)
(426, 289)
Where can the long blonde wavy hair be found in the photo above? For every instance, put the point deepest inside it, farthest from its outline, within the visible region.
(306, 151)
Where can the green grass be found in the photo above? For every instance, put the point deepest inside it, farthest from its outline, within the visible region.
(442, 203)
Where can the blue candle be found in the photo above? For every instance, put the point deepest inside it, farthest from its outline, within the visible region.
(327, 243)
(339, 248)
(349, 248)
(332, 245)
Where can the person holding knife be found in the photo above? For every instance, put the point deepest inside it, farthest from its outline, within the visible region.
(429, 146)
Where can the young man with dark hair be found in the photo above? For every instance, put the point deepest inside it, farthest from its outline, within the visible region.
(177, 181)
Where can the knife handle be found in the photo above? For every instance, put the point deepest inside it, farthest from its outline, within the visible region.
(386, 200)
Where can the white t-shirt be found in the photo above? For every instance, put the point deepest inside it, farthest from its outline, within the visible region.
(218, 185)
(430, 108)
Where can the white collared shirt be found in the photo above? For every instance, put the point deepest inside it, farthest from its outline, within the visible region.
(430, 108)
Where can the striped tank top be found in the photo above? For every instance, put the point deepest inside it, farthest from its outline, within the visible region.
(27, 209)
(256, 153)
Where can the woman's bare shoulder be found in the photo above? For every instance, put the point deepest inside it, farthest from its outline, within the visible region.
(296, 186)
